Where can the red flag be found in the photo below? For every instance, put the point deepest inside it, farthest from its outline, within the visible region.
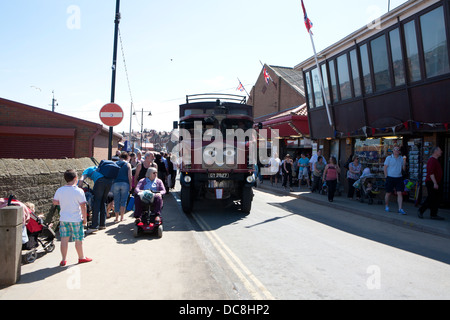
(266, 75)
(240, 87)
(308, 22)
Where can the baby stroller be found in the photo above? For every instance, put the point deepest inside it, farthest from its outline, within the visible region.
(369, 186)
(38, 233)
(40, 239)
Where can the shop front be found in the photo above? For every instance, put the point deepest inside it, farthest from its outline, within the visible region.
(372, 153)
(292, 131)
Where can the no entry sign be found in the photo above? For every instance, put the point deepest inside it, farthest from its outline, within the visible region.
(111, 114)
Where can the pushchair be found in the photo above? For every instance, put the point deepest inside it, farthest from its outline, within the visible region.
(40, 239)
(38, 233)
(370, 187)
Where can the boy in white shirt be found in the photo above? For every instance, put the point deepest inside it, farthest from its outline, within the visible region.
(73, 215)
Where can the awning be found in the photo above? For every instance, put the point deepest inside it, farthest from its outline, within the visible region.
(294, 126)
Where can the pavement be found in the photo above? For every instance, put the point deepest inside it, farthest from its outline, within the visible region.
(374, 211)
(126, 268)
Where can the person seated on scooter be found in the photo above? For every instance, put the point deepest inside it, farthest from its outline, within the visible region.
(153, 183)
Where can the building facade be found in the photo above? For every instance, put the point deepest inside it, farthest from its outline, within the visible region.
(28, 132)
(386, 84)
(278, 99)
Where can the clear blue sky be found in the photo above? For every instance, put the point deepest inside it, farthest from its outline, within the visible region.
(172, 48)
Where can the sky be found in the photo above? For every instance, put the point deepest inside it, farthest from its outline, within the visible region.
(171, 49)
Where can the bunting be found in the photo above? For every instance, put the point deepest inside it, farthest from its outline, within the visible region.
(407, 125)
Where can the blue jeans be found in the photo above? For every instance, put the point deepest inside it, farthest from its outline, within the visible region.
(121, 192)
(100, 191)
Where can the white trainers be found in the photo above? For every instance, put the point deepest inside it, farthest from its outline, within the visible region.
(90, 231)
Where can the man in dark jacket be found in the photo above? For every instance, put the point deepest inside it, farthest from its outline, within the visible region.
(433, 182)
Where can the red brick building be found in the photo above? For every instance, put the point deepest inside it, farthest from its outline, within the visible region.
(285, 90)
(28, 132)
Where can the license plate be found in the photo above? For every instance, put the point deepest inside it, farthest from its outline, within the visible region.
(218, 175)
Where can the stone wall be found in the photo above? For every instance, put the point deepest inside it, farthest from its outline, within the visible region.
(36, 180)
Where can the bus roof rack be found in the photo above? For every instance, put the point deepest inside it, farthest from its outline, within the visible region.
(216, 97)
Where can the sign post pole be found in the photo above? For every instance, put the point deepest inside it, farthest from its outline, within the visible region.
(113, 83)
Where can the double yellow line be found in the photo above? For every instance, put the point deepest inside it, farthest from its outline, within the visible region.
(251, 283)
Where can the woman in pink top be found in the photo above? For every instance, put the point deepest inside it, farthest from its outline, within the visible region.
(330, 175)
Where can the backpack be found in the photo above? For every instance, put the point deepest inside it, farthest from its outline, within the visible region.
(109, 169)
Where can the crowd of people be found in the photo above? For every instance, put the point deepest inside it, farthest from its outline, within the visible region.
(318, 174)
(315, 172)
(154, 172)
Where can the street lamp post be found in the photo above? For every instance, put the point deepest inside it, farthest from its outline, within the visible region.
(142, 122)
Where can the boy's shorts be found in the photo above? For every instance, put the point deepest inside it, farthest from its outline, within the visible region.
(75, 230)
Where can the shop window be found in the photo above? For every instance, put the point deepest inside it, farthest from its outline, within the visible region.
(325, 82)
(317, 88)
(355, 73)
(344, 77)
(367, 75)
(397, 57)
(380, 64)
(309, 89)
(372, 152)
(412, 51)
(434, 42)
(333, 81)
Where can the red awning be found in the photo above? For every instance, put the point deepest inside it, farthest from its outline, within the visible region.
(291, 125)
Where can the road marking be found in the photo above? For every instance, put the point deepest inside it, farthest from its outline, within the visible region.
(245, 276)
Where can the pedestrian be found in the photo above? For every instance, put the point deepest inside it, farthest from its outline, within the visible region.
(314, 159)
(303, 172)
(353, 175)
(330, 175)
(433, 182)
(317, 174)
(141, 169)
(162, 169)
(393, 166)
(153, 183)
(274, 163)
(73, 216)
(287, 172)
(102, 186)
(172, 172)
(133, 160)
(122, 186)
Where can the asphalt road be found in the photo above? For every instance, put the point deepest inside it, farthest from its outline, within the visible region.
(288, 248)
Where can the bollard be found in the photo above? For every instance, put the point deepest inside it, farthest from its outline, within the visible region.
(11, 221)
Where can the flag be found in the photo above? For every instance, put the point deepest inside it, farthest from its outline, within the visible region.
(266, 75)
(240, 87)
(308, 22)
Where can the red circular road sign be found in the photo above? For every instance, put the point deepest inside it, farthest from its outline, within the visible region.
(111, 114)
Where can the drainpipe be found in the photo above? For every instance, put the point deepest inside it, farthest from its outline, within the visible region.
(91, 140)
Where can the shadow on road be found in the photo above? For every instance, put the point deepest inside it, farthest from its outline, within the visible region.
(427, 245)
